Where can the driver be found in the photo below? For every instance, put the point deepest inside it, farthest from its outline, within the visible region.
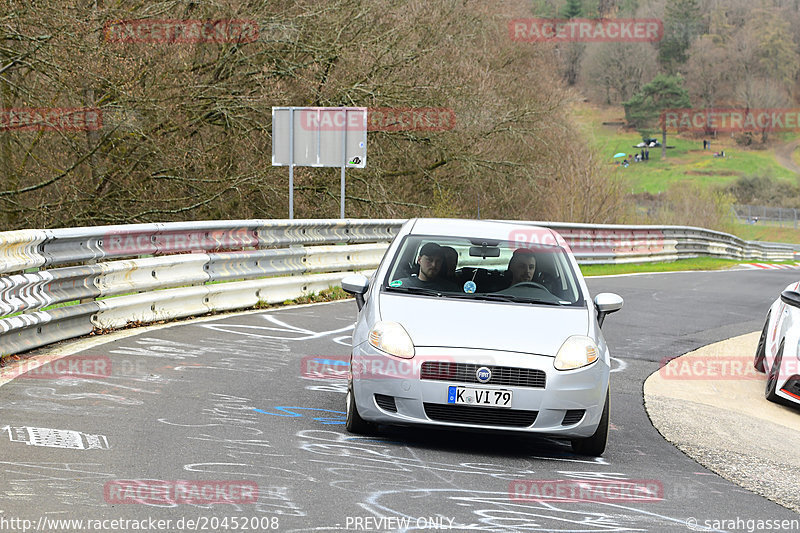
(522, 266)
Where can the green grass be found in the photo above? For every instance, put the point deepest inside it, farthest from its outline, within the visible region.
(327, 295)
(686, 163)
(118, 295)
(54, 306)
(768, 232)
(62, 304)
(699, 263)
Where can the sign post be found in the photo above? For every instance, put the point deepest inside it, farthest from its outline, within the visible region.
(291, 161)
(319, 137)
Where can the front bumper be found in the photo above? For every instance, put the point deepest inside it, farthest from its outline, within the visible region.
(790, 389)
(556, 407)
(787, 385)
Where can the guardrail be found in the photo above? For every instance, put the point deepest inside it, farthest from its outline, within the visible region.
(610, 243)
(170, 270)
(113, 275)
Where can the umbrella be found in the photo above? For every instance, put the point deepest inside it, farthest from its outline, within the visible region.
(621, 154)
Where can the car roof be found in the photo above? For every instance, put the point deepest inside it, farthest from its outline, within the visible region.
(496, 230)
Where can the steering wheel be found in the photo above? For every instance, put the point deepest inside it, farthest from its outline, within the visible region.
(532, 284)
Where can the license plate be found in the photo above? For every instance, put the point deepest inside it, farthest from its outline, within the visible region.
(479, 397)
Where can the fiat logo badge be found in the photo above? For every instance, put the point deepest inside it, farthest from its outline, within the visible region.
(483, 374)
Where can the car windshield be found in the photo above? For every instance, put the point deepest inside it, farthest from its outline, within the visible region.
(480, 269)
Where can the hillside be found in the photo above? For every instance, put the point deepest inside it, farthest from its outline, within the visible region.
(687, 162)
(185, 129)
(175, 125)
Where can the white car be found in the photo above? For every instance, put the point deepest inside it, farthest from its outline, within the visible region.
(778, 353)
(481, 326)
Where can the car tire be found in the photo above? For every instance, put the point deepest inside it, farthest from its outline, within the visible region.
(772, 378)
(353, 421)
(596, 444)
(761, 349)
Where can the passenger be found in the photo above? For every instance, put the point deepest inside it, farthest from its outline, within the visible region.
(522, 266)
(431, 275)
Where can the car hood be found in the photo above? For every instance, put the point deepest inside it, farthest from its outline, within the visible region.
(483, 325)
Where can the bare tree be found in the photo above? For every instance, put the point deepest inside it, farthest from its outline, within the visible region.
(570, 57)
(758, 93)
(708, 77)
(186, 126)
(616, 71)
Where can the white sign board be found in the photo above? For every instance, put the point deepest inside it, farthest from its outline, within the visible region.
(319, 136)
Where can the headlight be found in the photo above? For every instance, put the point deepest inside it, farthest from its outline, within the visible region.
(392, 338)
(576, 352)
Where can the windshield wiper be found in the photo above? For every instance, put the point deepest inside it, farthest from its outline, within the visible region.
(491, 297)
(504, 298)
(417, 290)
(541, 302)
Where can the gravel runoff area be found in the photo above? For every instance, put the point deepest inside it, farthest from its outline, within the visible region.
(710, 404)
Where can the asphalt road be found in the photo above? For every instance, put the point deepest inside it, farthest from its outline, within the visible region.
(227, 400)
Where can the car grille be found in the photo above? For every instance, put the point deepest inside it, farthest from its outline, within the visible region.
(386, 402)
(572, 416)
(484, 416)
(465, 373)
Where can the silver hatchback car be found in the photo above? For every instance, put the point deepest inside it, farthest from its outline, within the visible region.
(480, 325)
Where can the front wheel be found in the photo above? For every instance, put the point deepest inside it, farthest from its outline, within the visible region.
(772, 378)
(353, 422)
(596, 444)
(761, 349)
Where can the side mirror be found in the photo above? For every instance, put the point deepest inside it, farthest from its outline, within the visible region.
(791, 298)
(357, 285)
(607, 303)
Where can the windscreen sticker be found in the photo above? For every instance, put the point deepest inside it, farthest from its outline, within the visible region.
(469, 287)
(396, 283)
